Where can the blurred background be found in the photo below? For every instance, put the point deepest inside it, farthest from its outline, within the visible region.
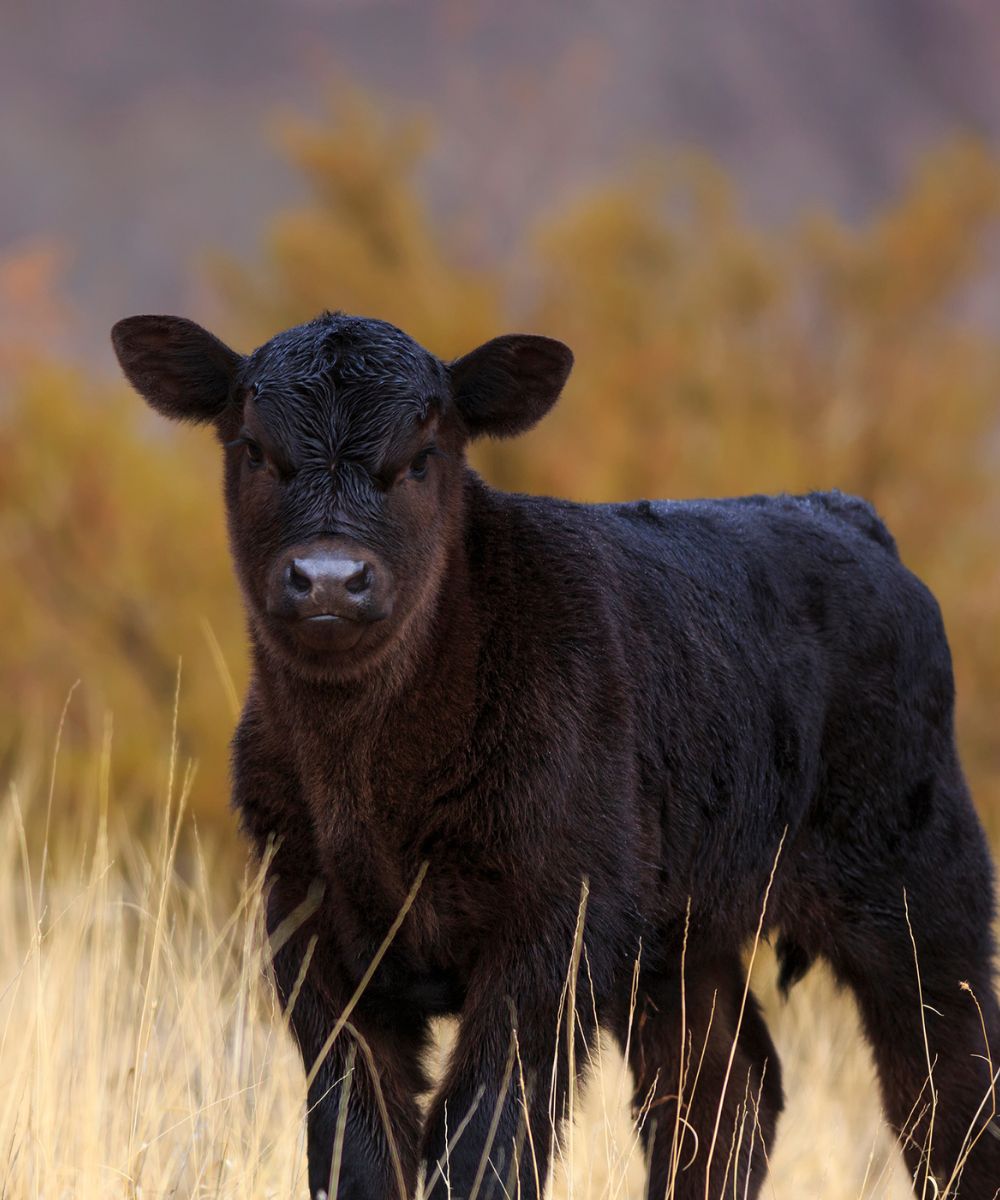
(769, 231)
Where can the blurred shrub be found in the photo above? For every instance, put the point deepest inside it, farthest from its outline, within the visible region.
(114, 553)
(712, 358)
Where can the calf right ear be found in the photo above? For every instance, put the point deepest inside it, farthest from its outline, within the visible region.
(180, 369)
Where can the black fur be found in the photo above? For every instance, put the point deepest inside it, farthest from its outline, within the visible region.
(656, 701)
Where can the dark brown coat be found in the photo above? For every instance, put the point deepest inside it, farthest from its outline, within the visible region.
(518, 702)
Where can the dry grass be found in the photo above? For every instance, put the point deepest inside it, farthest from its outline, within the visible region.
(141, 1053)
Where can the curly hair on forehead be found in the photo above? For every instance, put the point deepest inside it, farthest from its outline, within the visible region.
(351, 346)
(341, 385)
(366, 369)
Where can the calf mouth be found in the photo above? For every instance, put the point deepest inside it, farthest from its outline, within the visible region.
(329, 631)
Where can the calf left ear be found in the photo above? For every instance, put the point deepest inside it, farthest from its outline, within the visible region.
(180, 369)
(507, 385)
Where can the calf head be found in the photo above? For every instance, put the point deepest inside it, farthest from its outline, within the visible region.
(344, 446)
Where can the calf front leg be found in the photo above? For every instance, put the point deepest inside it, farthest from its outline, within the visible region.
(490, 1128)
(363, 1086)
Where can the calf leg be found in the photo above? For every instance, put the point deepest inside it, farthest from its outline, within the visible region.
(937, 1064)
(363, 1086)
(490, 1129)
(912, 937)
(688, 1093)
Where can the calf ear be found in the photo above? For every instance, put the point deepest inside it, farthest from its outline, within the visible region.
(507, 385)
(182, 370)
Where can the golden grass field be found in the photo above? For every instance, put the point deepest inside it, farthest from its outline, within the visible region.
(142, 1053)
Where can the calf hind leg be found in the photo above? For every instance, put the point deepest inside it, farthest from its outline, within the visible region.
(938, 1075)
(707, 1094)
(920, 964)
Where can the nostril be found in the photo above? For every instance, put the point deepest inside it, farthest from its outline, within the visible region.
(297, 579)
(360, 581)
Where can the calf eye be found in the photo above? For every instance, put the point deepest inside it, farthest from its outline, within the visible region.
(418, 467)
(252, 452)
